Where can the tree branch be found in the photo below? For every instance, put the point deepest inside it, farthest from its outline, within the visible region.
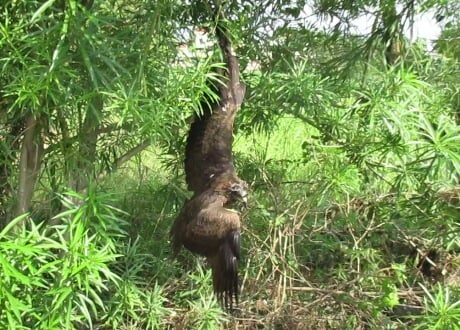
(130, 154)
(68, 141)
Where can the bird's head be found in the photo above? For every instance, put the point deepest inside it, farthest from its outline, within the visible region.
(232, 187)
(239, 192)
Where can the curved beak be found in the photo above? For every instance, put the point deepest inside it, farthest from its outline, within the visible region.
(244, 200)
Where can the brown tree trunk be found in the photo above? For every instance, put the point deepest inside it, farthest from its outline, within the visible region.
(29, 164)
(392, 32)
(393, 52)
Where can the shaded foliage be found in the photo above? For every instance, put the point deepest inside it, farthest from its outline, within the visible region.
(353, 162)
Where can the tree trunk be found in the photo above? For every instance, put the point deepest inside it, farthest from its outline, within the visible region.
(29, 164)
(392, 32)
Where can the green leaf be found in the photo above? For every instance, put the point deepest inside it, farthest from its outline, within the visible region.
(41, 10)
(10, 271)
(12, 224)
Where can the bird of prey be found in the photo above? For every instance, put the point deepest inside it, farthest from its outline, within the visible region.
(206, 225)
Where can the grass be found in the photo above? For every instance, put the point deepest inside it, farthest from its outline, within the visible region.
(316, 254)
(319, 252)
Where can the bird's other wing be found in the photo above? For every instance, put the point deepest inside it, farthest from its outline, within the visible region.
(204, 230)
(178, 229)
(215, 233)
(224, 266)
(209, 144)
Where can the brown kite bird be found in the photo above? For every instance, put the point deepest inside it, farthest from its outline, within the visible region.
(205, 225)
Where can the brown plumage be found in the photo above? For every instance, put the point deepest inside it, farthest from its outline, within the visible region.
(209, 144)
(205, 225)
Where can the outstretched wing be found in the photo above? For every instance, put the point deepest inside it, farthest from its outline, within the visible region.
(209, 144)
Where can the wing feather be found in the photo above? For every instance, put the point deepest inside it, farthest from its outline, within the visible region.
(209, 144)
(225, 271)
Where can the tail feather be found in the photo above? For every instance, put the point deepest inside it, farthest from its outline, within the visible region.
(225, 271)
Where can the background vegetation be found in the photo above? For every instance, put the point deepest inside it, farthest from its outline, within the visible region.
(350, 142)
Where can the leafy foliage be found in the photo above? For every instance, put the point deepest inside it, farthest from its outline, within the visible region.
(353, 162)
